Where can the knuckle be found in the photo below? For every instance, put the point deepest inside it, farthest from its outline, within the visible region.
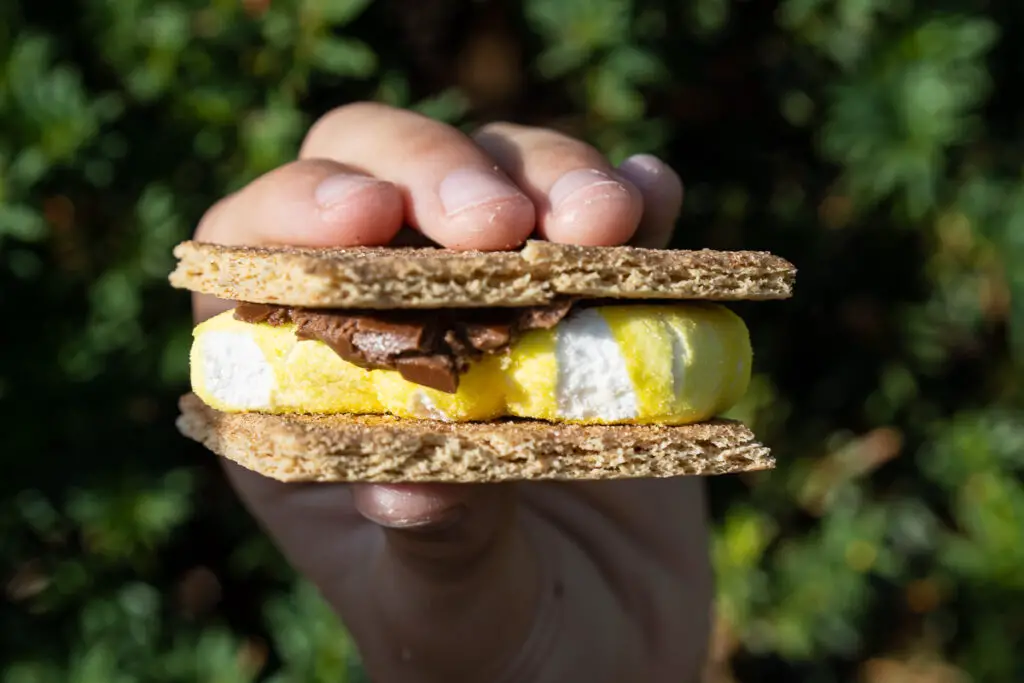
(290, 180)
(559, 146)
(415, 134)
(302, 170)
(340, 117)
(429, 141)
(560, 150)
(496, 129)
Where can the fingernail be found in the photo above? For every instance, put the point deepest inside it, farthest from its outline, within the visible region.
(575, 181)
(338, 189)
(642, 169)
(468, 188)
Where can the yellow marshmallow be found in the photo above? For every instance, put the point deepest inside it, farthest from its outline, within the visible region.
(670, 364)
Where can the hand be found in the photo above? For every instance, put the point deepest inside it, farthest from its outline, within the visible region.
(536, 582)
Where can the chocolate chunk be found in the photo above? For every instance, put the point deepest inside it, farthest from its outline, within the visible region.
(544, 317)
(333, 330)
(379, 345)
(431, 348)
(437, 372)
(488, 338)
(460, 347)
(262, 313)
(378, 338)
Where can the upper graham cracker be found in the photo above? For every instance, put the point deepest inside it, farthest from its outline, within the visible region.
(428, 277)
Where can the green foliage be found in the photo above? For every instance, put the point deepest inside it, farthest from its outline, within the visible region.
(873, 143)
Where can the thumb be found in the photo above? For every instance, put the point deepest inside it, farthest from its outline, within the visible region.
(439, 529)
(455, 585)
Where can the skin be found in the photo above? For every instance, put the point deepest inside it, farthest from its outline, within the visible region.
(539, 582)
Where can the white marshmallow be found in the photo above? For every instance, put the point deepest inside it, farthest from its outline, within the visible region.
(235, 370)
(593, 382)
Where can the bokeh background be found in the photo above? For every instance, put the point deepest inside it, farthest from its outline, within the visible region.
(876, 143)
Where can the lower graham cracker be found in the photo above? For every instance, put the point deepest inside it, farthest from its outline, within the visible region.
(382, 448)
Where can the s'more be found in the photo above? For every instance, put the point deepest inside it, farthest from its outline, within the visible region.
(422, 364)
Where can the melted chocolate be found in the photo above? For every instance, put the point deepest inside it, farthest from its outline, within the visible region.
(430, 348)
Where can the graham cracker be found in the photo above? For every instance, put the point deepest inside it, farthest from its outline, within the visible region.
(426, 277)
(372, 448)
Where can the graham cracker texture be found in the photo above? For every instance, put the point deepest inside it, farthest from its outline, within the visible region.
(630, 272)
(425, 277)
(340, 448)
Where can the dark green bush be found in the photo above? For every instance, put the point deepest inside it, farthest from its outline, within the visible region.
(875, 143)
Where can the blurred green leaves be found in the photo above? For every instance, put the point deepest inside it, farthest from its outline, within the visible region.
(269, 137)
(604, 52)
(892, 123)
(979, 459)
(121, 525)
(21, 223)
(124, 640)
(46, 106)
(338, 12)
(313, 646)
(46, 120)
(737, 550)
(614, 89)
(344, 57)
(575, 31)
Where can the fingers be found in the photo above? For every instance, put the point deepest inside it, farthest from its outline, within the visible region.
(579, 197)
(310, 203)
(403, 168)
(452, 191)
(662, 191)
